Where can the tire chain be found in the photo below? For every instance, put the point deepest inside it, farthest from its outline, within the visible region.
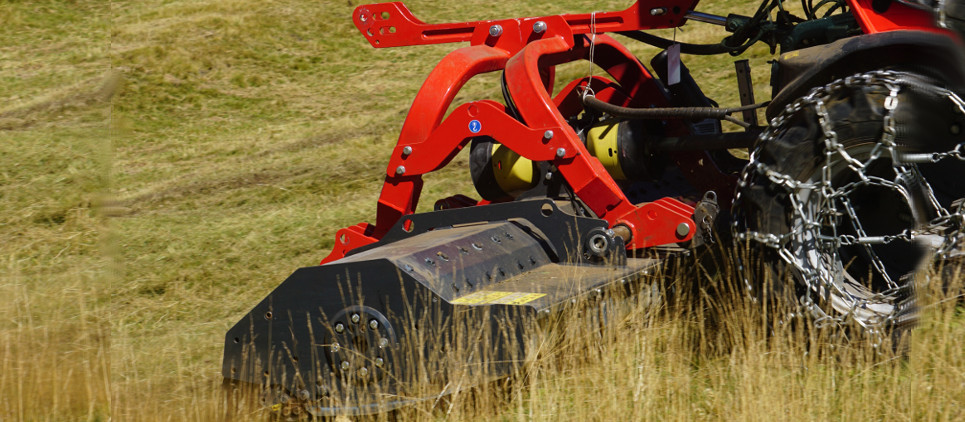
(949, 223)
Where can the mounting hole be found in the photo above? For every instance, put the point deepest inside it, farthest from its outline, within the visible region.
(237, 340)
(369, 31)
(546, 210)
(343, 238)
(386, 15)
(268, 315)
(408, 226)
(676, 10)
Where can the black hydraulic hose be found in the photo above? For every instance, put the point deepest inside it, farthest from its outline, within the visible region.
(717, 141)
(674, 113)
(663, 43)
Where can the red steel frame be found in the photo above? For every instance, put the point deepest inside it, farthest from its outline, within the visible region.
(895, 18)
(427, 143)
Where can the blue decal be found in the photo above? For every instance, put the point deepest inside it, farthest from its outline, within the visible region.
(475, 126)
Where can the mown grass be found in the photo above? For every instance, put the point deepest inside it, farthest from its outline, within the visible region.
(165, 164)
(55, 91)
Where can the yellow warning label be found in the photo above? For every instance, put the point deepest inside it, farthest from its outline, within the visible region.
(519, 298)
(498, 298)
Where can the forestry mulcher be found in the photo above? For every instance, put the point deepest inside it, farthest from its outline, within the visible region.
(856, 176)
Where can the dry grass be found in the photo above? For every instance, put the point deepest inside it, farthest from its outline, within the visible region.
(54, 358)
(165, 164)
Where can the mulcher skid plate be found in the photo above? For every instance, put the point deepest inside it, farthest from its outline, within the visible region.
(447, 300)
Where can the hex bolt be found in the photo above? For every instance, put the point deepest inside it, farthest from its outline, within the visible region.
(340, 328)
(548, 135)
(539, 27)
(658, 11)
(373, 324)
(356, 318)
(363, 371)
(336, 347)
(379, 362)
(345, 365)
(560, 152)
(400, 170)
(683, 229)
(495, 30)
(383, 342)
(406, 151)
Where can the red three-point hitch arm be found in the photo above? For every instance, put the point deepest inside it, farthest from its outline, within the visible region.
(527, 49)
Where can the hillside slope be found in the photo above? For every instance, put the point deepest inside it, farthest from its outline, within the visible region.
(166, 163)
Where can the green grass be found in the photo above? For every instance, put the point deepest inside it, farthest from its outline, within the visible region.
(55, 90)
(165, 164)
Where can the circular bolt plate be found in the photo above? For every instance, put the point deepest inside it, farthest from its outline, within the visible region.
(360, 351)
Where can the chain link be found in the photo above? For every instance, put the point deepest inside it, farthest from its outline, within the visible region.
(817, 206)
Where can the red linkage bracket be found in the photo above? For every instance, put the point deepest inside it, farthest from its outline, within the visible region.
(393, 25)
(528, 53)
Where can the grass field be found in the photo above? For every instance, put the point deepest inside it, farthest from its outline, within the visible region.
(165, 163)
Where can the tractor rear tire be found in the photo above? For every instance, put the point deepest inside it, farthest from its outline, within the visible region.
(805, 201)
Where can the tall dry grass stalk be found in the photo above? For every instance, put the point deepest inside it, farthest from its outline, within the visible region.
(54, 347)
